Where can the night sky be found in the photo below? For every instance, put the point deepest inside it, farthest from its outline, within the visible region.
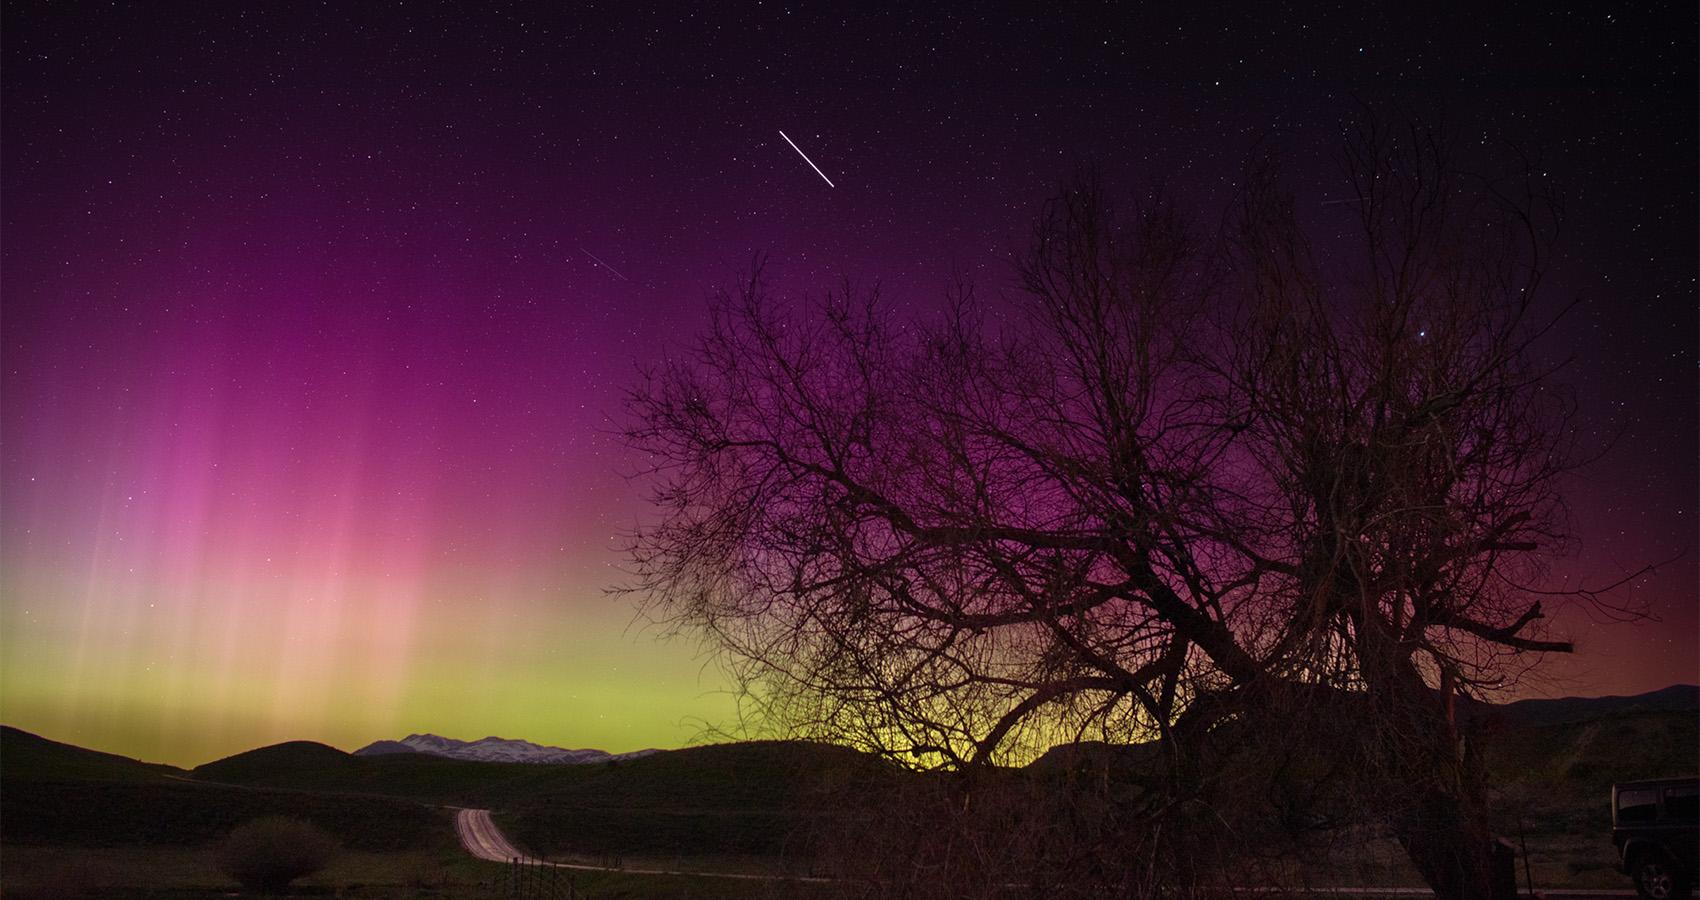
(316, 319)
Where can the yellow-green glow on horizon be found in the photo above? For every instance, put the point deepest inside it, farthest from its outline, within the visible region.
(189, 676)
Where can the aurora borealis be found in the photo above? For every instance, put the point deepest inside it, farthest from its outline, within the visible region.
(316, 322)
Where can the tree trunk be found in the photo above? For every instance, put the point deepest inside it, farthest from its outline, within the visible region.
(1437, 813)
(1438, 817)
(1449, 843)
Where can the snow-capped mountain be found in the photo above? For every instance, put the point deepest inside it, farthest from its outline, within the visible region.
(492, 749)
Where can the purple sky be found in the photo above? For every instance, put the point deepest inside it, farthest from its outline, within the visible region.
(310, 368)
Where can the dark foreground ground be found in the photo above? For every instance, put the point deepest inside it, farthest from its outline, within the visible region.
(75, 823)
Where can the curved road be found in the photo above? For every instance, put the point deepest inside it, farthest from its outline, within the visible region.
(480, 836)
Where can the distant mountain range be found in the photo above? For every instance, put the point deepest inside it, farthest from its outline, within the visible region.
(1564, 710)
(31, 757)
(492, 749)
(1518, 721)
(1522, 712)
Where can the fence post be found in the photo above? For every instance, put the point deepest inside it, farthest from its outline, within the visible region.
(1503, 875)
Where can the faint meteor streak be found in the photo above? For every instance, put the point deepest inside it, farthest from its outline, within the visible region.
(1341, 202)
(603, 264)
(806, 159)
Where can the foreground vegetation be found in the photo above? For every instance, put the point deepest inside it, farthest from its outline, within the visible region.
(182, 873)
(192, 870)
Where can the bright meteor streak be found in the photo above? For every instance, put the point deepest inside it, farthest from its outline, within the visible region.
(806, 159)
(603, 264)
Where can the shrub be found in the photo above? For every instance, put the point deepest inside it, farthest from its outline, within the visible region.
(267, 854)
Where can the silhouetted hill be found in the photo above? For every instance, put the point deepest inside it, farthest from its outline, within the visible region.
(749, 774)
(1094, 755)
(1493, 721)
(723, 798)
(276, 764)
(60, 794)
(306, 766)
(720, 798)
(755, 797)
(418, 776)
(31, 757)
(1676, 698)
(739, 775)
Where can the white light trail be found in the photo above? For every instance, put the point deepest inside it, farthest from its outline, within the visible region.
(603, 264)
(806, 159)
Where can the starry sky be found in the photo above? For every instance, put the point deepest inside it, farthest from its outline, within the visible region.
(316, 318)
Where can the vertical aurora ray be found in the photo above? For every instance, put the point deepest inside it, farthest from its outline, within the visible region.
(223, 530)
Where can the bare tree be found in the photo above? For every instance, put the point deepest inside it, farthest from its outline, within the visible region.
(1187, 485)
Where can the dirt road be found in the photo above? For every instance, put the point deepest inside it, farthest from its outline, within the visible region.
(480, 836)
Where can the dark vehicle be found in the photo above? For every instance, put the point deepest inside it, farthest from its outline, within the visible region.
(1656, 827)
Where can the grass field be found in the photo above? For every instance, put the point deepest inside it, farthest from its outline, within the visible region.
(189, 873)
(1553, 786)
(69, 871)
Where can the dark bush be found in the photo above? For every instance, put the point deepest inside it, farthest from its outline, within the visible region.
(267, 854)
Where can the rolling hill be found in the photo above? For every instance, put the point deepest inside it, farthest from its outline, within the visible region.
(1565, 710)
(31, 757)
(57, 793)
(278, 763)
(748, 775)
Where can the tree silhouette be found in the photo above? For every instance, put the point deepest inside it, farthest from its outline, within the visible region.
(1188, 485)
